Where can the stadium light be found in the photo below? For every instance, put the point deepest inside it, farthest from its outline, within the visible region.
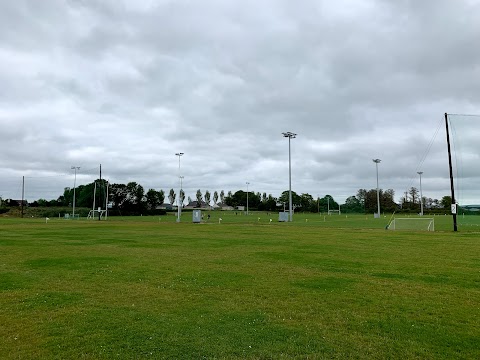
(247, 195)
(376, 161)
(75, 168)
(290, 136)
(179, 208)
(421, 195)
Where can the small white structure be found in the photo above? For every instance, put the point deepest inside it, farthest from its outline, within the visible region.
(197, 216)
(283, 216)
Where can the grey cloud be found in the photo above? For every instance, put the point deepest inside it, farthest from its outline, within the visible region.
(130, 83)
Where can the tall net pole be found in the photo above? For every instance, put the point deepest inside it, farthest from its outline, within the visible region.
(179, 205)
(454, 213)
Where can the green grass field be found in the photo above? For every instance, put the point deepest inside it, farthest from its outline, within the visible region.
(320, 287)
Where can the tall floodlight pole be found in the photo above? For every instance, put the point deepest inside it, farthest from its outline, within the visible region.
(247, 195)
(290, 136)
(421, 195)
(181, 182)
(376, 161)
(179, 208)
(75, 168)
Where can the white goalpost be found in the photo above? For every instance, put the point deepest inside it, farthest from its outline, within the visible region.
(331, 211)
(418, 224)
(98, 213)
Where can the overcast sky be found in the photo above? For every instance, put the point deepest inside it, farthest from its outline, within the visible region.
(127, 84)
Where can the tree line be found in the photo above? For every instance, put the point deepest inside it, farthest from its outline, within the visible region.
(132, 199)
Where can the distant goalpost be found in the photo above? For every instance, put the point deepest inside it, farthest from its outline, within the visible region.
(98, 213)
(419, 224)
(332, 211)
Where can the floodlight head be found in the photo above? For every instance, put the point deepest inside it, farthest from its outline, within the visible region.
(376, 161)
(289, 134)
(419, 172)
(179, 154)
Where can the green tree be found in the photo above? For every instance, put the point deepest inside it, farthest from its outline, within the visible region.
(240, 199)
(387, 203)
(172, 196)
(413, 194)
(153, 199)
(308, 203)
(118, 195)
(215, 197)
(62, 201)
(352, 205)
(362, 197)
(130, 199)
(446, 202)
(161, 196)
(84, 195)
(271, 203)
(207, 197)
(199, 197)
(326, 203)
(136, 195)
(296, 199)
(181, 197)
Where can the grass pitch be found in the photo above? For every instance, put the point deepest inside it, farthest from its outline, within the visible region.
(321, 287)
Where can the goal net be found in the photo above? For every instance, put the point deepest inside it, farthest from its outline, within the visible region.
(96, 214)
(418, 224)
(464, 131)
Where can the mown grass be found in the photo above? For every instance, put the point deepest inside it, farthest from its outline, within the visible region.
(146, 287)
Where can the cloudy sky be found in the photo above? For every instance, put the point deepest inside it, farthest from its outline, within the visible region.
(127, 84)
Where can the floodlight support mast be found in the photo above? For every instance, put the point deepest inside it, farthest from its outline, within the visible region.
(376, 161)
(421, 195)
(451, 172)
(75, 168)
(290, 136)
(179, 206)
